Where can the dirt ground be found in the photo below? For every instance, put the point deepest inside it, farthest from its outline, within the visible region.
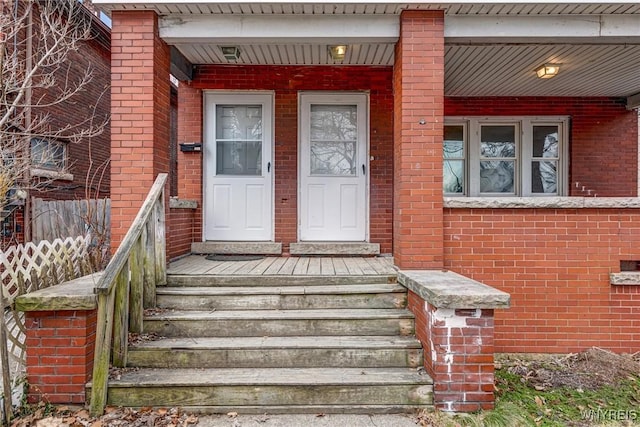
(588, 370)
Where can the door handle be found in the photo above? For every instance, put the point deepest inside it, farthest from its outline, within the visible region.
(364, 170)
(268, 167)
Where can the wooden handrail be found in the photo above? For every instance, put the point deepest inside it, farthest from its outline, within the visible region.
(126, 287)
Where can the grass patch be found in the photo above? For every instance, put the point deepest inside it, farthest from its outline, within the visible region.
(592, 388)
(558, 407)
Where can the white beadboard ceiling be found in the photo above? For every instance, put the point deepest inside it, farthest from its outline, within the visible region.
(472, 68)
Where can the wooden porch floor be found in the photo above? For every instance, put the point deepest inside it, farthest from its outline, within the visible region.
(285, 266)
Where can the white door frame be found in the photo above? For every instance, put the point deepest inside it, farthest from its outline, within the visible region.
(346, 98)
(210, 99)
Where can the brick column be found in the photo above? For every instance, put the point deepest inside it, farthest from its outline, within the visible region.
(60, 348)
(418, 120)
(458, 353)
(140, 105)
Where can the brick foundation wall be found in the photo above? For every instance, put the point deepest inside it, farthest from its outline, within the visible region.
(555, 263)
(287, 81)
(604, 137)
(180, 227)
(60, 349)
(458, 351)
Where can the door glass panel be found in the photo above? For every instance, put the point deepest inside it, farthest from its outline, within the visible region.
(239, 139)
(333, 140)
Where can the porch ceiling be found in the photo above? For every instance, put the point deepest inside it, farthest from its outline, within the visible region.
(490, 49)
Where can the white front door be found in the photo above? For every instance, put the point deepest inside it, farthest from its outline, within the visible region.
(238, 167)
(333, 167)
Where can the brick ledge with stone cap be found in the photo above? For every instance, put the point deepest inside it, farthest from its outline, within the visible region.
(60, 323)
(446, 289)
(76, 294)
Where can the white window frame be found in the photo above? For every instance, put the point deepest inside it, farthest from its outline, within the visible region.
(524, 152)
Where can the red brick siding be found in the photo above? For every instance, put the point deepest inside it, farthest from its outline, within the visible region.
(59, 354)
(287, 81)
(555, 263)
(87, 159)
(140, 104)
(181, 226)
(604, 136)
(418, 115)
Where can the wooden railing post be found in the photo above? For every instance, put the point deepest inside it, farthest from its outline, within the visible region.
(136, 310)
(161, 244)
(149, 293)
(121, 318)
(104, 329)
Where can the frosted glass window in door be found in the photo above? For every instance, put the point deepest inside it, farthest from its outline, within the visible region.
(333, 139)
(239, 140)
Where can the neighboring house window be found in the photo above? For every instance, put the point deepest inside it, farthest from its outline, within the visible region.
(50, 155)
(505, 156)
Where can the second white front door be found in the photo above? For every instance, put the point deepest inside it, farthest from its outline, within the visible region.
(333, 167)
(238, 173)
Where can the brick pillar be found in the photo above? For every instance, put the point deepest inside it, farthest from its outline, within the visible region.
(458, 351)
(140, 105)
(418, 120)
(60, 354)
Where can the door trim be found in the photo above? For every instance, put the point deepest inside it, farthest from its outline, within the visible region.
(336, 98)
(211, 98)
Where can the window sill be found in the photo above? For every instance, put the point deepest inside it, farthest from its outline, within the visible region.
(542, 202)
(55, 175)
(628, 278)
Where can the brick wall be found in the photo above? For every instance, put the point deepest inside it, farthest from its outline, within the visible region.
(287, 81)
(604, 136)
(555, 263)
(88, 158)
(181, 226)
(60, 356)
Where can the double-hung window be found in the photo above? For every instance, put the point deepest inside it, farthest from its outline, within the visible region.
(505, 156)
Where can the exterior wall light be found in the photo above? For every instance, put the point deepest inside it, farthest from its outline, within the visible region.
(547, 71)
(230, 53)
(337, 52)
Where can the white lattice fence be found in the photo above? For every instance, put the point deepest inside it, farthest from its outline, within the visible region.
(29, 267)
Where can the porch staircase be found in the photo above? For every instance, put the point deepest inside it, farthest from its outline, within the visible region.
(277, 344)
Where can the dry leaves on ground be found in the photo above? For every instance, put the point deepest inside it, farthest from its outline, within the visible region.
(113, 417)
(587, 370)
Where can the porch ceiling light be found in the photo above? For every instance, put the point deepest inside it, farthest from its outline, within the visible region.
(230, 53)
(337, 52)
(547, 71)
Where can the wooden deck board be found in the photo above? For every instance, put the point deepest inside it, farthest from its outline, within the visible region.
(285, 266)
(301, 266)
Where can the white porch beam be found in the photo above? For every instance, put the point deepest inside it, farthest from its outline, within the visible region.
(633, 101)
(245, 29)
(544, 29)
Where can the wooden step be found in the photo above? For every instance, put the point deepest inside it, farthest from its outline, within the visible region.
(180, 280)
(272, 390)
(259, 323)
(283, 297)
(278, 352)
